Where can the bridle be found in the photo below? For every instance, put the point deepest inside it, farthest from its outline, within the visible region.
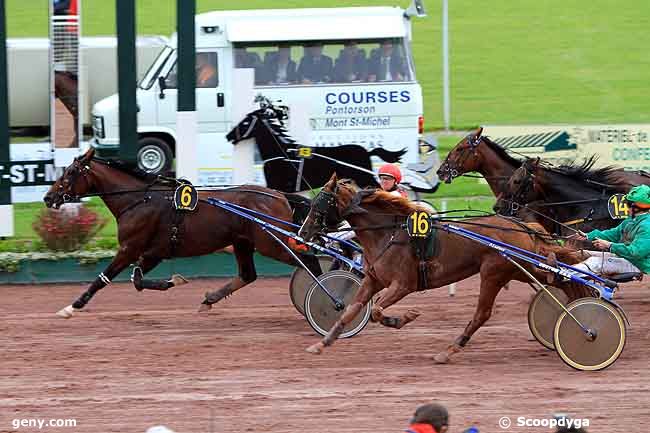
(519, 197)
(453, 168)
(74, 171)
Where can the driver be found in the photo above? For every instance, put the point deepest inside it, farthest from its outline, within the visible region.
(626, 247)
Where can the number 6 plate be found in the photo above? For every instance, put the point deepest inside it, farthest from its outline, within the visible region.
(617, 207)
(186, 197)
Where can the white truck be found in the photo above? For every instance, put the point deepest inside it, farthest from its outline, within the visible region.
(350, 68)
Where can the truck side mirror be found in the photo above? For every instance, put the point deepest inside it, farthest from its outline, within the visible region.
(162, 84)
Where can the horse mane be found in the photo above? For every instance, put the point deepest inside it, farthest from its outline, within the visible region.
(127, 168)
(501, 151)
(389, 202)
(278, 130)
(581, 171)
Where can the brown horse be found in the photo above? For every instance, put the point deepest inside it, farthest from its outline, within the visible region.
(565, 198)
(476, 153)
(65, 88)
(150, 229)
(389, 261)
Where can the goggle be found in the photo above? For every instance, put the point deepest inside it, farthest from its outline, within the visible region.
(386, 177)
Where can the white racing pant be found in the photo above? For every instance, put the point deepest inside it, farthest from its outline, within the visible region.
(604, 263)
(344, 235)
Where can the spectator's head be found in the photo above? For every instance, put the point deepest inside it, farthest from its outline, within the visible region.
(351, 48)
(387, 47)
(564, 427)
(315, 49)
(433, 414)
(284, 53)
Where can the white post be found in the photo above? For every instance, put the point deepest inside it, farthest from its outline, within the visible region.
(299, 127)
(243, 154)
(445, 64)
(6, 220)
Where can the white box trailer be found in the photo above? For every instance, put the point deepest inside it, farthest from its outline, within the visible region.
(28, 74)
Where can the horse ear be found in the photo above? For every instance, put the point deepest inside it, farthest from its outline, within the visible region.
(334, 178)
(88, 156)
(479, 131)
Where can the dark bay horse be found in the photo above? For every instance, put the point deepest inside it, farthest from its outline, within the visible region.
(281, 161)
(574, 194)
(389, 261)
(150, 229)
(65, 88)
(476, 153)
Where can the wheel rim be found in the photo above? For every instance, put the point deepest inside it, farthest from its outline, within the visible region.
(543, 314)
(301, 281)
(319, 308)
(578, 351)
(151, 158)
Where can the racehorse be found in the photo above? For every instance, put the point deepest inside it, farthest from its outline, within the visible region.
(482, 155)
(566, 196)
(65, 88)
(150, 229)
(389, 261)
(281, 161)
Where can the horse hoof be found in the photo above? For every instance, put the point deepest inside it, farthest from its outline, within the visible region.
(412, 315)
(441, 358)
(316, 349)
(66, 312)
(178, 280)
(205, 307)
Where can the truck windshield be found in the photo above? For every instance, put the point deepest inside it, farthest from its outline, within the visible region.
(327, 62)
(152, 73)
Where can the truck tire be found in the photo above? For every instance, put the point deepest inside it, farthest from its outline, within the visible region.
(154, 155)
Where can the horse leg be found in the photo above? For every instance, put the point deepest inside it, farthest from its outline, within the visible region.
(392, 295)
(120, 262)
(368, 288)
(491, 283)
(243, 251)
(146, 264)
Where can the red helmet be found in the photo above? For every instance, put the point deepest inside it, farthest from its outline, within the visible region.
(391, 170)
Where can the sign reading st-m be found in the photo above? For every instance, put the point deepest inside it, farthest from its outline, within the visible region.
(29, 173)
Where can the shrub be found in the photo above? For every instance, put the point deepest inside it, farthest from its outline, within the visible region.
(67, 229)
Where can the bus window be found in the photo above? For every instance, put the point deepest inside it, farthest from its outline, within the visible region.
(323, 62)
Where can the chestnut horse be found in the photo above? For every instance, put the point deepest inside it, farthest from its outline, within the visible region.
(150, 229)
(389, 261)
(480, 154)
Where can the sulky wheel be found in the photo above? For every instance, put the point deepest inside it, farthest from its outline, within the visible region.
(601, 345)
(301, 281)
(543, 313)
(321, 311)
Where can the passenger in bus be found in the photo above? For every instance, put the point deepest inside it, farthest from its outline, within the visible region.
(386, 64)
(206, 71)
(351, 65)
(245, 59)
(279, 68)
(315, 67)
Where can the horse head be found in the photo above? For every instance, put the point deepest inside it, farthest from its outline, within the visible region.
(266, 113)
(463, 158)
(329, 208)
(521, 188)
(73, 183)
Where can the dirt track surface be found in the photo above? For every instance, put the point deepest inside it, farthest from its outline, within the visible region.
(134, 360)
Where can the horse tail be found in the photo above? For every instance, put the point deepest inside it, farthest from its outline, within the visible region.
(388, 155)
